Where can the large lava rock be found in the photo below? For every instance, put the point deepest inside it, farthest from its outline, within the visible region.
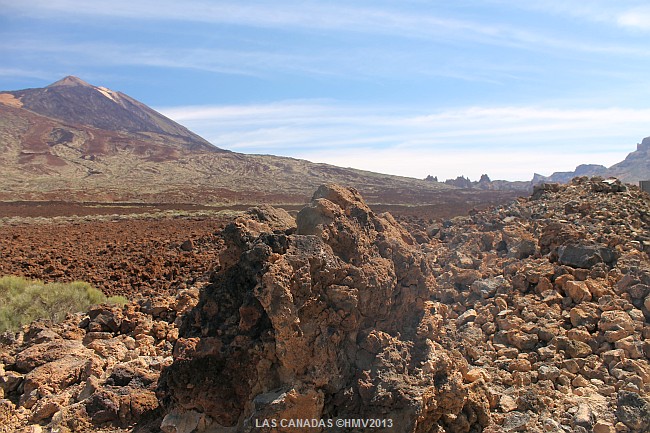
(585, 256)
(329, 319)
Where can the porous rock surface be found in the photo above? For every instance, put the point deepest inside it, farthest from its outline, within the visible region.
(91, 371)
(327, 318)
(529, 317)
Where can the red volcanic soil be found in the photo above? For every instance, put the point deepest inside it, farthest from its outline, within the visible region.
(139, 255)
(449, 204)
(49, 209)
(132, 258)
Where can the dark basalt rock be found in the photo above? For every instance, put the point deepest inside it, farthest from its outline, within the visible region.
(585, 256)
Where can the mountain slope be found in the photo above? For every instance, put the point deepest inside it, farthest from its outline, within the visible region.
(74, 101)
(636, 166)
(74, 141)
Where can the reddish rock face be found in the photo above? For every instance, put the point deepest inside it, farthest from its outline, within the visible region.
(325, 318)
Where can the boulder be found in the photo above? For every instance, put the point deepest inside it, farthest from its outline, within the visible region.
(55, 376)
(584, 417)
(577, 349)
(616, 325)
(334, 312)
(611, 185)
(40, 354)
(633, 411)
(585, 256)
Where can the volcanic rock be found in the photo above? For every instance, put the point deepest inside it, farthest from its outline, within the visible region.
(331, 321)
(633, 411)
(93, 369)
(585, 256)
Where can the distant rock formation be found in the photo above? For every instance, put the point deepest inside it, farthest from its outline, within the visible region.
(636, 166)
(461, 182)
(485, 183)
(566, 176)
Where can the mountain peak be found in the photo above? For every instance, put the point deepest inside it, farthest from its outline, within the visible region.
(70, 81)
(74, 101)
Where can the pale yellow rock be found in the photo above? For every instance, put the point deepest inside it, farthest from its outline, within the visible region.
(501, 304)
(507, 403)
(604, 427)
(580, 381)
(578, 291)
(475, 374)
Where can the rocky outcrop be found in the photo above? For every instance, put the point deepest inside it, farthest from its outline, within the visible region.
(486, 184)
(636, 165)
(566, 176)
(330, 318)
(92, 370)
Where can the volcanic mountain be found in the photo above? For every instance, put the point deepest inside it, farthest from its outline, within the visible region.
(72, 141)
(74, 101)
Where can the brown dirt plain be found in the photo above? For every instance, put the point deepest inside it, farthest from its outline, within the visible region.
(136, 250)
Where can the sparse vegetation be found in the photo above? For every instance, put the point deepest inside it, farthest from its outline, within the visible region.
(23, 301)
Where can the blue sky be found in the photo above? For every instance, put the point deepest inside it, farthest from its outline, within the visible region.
(407, 87)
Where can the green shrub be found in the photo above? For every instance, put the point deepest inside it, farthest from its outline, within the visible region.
(23, 301)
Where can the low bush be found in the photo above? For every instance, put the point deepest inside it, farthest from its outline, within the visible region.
(23, 301)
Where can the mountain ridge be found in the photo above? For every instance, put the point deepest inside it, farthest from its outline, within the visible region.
(72, 141)
(635, 167)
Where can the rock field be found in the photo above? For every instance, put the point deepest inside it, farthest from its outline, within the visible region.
(138, 257)
(528, 317)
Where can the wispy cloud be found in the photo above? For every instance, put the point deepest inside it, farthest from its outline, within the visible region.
(352, 42)
(224, 61)
(633, 14)
(636, 18)
(280, 14)
(319, 16)
(324, 63)
(593, 10)
(502, 141)
(24, 73)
